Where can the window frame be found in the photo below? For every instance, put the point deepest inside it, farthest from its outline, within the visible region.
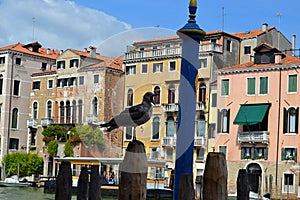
(291, 188)
(202, 63)
(142, 67)
(49, 85)
(16, 89)
(172, 68)
(289, 86)
(36, 85)
(247, 86)
(60, 63)
(96, 78)
(158, 67)
(80, 80)
(247, 50)
(260, 86)
(130, 69)
(155, 127)
(227, 92)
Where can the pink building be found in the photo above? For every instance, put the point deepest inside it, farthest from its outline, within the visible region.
(258, 117)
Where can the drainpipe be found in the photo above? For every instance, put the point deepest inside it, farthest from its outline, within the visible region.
(278, 133)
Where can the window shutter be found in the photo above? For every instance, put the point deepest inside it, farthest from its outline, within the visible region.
(295, 157)
(242, 153)
(285, 117)
(228, 120)
(266, 153)
(253, 153)
(283, 154)
(219, 122)
(256, 58)
(297, 120)
(272, 58)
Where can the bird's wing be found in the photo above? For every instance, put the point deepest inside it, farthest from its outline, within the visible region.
(137, 111)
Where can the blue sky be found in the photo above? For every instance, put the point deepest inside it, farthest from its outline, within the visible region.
(62, 24)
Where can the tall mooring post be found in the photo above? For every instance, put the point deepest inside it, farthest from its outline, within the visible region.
(191, 35)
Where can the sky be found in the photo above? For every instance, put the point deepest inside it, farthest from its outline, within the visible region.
(111, 26)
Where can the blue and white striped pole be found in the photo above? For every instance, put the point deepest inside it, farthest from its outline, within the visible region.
(191, 35)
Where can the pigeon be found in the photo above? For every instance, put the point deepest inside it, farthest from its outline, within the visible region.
(133, 116)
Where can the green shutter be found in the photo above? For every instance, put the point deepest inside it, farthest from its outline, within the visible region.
(272, 58)
(292, 85)
(263, 85)
(242, 153)
(266, 153)
(297, 118)
(256, 58)
(225, 87)
(219, 122)
(295, 156)
(253, 153)
(251, 86)
(285, 117)
(283, 154)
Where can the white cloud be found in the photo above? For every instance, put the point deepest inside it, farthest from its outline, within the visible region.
(58, 24)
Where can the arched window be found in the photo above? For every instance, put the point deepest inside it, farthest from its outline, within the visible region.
(202, 93)
(157, 95)
(74, 111)
(171, 95)
(68, 111)
(34, 110)
(170, 126)
(155, 128)
(14, 120)
(201, 126)
(129, 97)
(49, 109)
(95, 106)
(80, 111)
(62, 112)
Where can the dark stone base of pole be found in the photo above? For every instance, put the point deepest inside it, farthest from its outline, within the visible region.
(83, 184)
(215, 177)
(64, 182)
(242, 185)
(134, 172)
(94, 190)
(186, 188)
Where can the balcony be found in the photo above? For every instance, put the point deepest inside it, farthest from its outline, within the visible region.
(31, 123)
(46, 122)
(211, 47)
(254, 137)
(200, 106)
(91, 118)
(168, 141)
(172, 107)
(199, 141)
(153, 53)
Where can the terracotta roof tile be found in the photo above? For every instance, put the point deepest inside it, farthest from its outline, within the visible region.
(113, 63)
(252, 33)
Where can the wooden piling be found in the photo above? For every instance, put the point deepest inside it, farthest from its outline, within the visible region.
(64, 182)
(215, 177)
(134, 172)
(242, 185)
(95, 179)
(186, 188)
(83, 184)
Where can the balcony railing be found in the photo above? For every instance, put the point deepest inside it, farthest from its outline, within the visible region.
(253, 137)
(152, 53)
(91, 118)
(210, 47)
(199, 141)
(168, 141)
(200, 106)
(46, 121)
(172, 107)
(31, 122)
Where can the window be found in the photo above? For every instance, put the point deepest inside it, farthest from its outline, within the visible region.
(251, 86)
(172, 66)
(128, 133)
(247, 50)
(169, 154)
(254, 153)
(2, 60)
(96, 78)
(81, 80)
(290, 120)
(201, 126)
(13, 143)
(288, 183)
(223, 149)
(228, 45)
(130, 70)
(74, 111)
(289, 153)
(200, 154)
(95, 106)
(35, 110)
(1, 84)
(62, 112)
(292, 83)
(33, 137)
(68, 112)
(211, 130)
(18, 61)
(202, 93)
(130, 97)
(49, 109)
(16, 87)
(157, 67)
(265, 58)
(170, 127)
(144, 69)
(44, 66)
(80, 111)
(61, 64)
(36, 85)
(155, 128)
(171, 95)
(224, 87)
(223, 121)
(213, 100)
(157, 95)
(74, 63)
(202, 63)
(14, 120)
(50, 84)
(263, 85)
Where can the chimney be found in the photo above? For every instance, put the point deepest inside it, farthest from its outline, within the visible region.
(265, 27)
(60, 52)
(93, 51)
(278, 57)
(293, 44)
(48, 51)
(85, 50)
